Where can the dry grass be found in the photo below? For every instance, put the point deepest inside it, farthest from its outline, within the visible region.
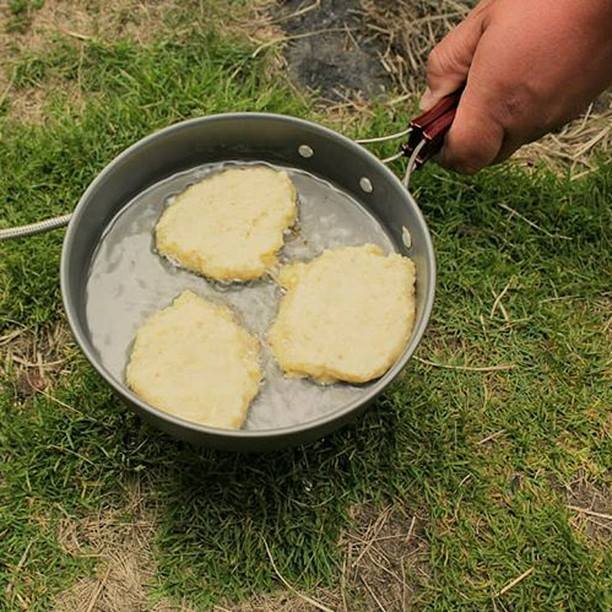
(80, 22)
(34, 359)
(120, 539)
(253, 21)
(105, 21)
(384, 557)
(29, 105)
(573, 147)
(409, 30)
(276, 602)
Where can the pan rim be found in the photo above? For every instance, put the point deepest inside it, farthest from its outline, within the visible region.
(67, 290)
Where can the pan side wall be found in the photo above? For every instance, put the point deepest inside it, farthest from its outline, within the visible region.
(250, 136)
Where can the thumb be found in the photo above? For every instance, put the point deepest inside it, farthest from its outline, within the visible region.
(449, 62)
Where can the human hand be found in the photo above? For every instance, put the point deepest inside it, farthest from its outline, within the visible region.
(529, 66)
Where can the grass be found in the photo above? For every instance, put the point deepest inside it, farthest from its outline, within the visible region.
(490, 509)
(20, 12)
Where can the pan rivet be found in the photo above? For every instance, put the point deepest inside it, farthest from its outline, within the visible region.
(366, 185)
(406, 238)
(305, 151)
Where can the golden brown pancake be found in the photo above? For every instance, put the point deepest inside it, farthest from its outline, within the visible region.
(346, 316)
(192, 360)
(231, 225)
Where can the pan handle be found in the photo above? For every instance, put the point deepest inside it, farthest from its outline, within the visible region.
(428, 130)
(425, 135)
(34, 228)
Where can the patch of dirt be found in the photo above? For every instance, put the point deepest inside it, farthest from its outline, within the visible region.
(34, 360)
(591, 509)
(330, 48)
(386, 557)
(384, 562)
(121, 541)
(285, 601)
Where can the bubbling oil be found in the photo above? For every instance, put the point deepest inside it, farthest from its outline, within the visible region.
(128, 281)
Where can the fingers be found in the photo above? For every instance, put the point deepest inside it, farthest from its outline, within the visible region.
(491, 117)
(475, 138)
(449, 62)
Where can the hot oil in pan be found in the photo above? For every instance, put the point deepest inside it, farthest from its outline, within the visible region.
(128, 281)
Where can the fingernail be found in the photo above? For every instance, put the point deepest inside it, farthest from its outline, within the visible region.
(426, 100)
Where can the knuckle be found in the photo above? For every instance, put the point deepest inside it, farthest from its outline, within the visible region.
(436, 61)
(450, 57)
(482, 7)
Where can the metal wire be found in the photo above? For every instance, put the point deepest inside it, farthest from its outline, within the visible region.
(384, 138)
(34, 228)
(412, 163)
(393, 158)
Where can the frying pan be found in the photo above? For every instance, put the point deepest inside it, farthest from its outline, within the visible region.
(111, 278)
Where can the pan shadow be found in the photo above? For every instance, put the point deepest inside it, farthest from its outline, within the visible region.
(231, 511)
(220, 516)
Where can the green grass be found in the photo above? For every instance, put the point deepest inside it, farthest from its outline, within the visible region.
(20, 14)
(415, 447)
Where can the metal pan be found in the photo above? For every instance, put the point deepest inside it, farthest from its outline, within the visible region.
(111, 279)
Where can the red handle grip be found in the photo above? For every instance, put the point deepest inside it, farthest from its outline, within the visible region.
(431, 127)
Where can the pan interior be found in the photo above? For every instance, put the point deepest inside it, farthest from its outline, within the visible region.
(128, 281)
